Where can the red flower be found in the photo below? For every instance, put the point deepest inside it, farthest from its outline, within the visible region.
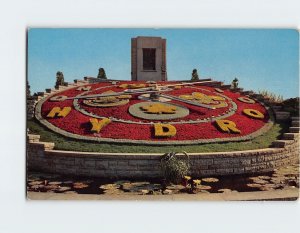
(78, 123)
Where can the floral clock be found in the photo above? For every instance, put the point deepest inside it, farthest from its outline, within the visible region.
(153, 113)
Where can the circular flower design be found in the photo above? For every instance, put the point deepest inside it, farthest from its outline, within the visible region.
(117, 113)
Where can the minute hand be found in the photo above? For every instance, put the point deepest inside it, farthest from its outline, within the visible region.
(186, 101)
(115, 94)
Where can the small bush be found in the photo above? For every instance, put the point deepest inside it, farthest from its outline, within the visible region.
(273, 98)
(174, 169)
(291, 105)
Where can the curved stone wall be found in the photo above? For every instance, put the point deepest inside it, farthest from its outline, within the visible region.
(42, 157)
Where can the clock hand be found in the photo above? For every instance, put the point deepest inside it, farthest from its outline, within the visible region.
(143, 90)
(157, 87)
(185, 101)
(184, 84)
(113, 94)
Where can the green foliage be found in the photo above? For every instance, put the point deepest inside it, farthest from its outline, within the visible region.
(174, 169)
(69, 144)
(291, 105)
(273, 98)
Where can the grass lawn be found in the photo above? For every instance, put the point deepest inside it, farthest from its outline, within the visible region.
(69, 144)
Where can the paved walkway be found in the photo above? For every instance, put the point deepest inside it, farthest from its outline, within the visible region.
(277, 195)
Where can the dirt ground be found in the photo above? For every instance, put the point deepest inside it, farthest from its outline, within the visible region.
(283, 178)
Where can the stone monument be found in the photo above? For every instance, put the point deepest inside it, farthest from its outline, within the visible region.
(148, 59)
(101, 74)
(235, 83)
(59, 79)
(195, 76)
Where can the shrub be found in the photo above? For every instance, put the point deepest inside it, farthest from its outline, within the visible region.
(273, 98)
(291, 105)
(174, 169)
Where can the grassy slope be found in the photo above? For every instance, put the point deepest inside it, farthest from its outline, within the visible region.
(63, 143)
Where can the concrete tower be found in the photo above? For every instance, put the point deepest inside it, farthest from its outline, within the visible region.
(148, 59)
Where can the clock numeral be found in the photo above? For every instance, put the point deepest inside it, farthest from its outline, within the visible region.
(227, 126)
(253, 113)
(84, 88)
(219, 90)
(246, 100)
(211, 100)
(57, 111)
(164, 130)
(98, 125)
(58, 98)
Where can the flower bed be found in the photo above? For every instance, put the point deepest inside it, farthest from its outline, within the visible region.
(187, 128)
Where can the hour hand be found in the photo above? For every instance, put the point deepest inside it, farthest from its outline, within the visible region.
(186, 101)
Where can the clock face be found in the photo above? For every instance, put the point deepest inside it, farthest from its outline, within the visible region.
(162, 113)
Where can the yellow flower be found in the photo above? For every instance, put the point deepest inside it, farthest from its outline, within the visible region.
(187, 177)
(227, 126)
(132, 86)
(57, 111)
(159, 109)
(186, 97)
(164, 130)
(197, 182)
(253, 113)
(98, 125)
(123, 85)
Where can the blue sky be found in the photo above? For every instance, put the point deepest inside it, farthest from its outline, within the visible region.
(261, 59)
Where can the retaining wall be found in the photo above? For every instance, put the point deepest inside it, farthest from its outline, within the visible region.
(42, 157)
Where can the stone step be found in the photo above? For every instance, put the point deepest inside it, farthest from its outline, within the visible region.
(290, 136)
(80, 81)
(114, 82)
(219, 90)
(295, 124)
(266, 101)
(257, 96)
(247, 92)
(295, 118)
(33, 138)
(31, 98)
(225, 86)
(40, 93)
(98, 80)
(281, 143)
(253, 95)
(205, 79)
(237, 90)
(61, 88)
(72, 85)
(30, 102)
(87, 78)
(29, 115)
(179, 81)
(35, 97)
(280, 115)
(212, 84)
(44, 145)
(277, 108)
(54, 91)
(294, 129)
